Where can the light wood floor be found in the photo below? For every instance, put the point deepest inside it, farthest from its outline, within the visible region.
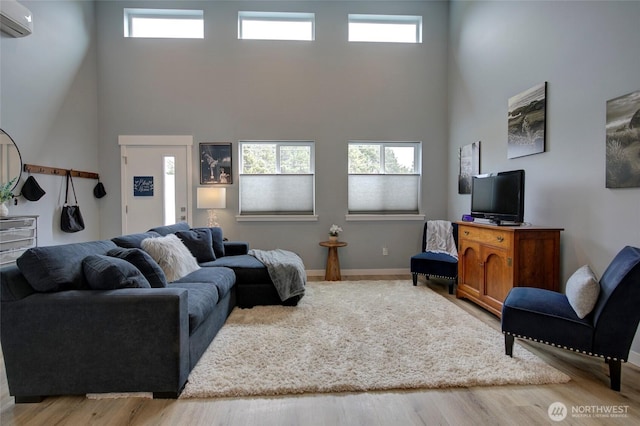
(508, 405)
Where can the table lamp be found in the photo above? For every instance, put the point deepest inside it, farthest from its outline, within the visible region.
(211, 199)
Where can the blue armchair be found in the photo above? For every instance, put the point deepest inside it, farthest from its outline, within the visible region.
(437, 264)
(607, 332)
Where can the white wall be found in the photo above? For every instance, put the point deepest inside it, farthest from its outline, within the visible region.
(49, 106)
(588, 52)
(222, 89)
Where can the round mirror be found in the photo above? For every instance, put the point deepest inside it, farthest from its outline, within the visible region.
(10, 160)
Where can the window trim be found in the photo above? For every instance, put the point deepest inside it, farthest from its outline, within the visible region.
(278, 17)
(129, 14)
(358, 18)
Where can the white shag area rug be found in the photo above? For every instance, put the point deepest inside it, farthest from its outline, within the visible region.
(358, 336)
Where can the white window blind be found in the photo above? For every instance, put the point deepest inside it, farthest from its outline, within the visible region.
(277, 178)
(384, 177)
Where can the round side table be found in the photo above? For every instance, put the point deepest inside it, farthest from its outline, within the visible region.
(332, 272)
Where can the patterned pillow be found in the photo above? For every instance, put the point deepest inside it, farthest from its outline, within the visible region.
(173, 257)
(582, 291)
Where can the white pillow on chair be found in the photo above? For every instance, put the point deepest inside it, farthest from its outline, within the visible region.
(172, 255)
(582, 290)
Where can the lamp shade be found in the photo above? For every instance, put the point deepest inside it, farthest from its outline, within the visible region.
(212, 198)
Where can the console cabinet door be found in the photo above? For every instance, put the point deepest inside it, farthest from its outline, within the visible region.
(470, 273)
(498, 276)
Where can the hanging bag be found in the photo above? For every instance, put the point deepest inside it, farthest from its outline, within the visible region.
(71, 219)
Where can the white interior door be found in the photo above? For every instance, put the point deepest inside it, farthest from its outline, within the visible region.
(156, 188)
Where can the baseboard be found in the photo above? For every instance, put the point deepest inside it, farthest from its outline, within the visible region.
(634, 358)
(347, 272)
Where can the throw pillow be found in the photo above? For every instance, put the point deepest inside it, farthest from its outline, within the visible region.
(59, 268)
(199, 243)
(218, 244)
(133, 240)
(173, 257)
(582, 291)
(145, 263)
(110, 273)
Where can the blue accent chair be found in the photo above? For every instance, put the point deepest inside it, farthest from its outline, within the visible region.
(439, 265)
(607, 332)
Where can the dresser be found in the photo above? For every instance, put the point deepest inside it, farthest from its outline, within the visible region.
(17, 234)
(494, 259)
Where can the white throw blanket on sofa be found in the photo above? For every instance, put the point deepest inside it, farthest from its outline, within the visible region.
(286, 270)
(440, 238)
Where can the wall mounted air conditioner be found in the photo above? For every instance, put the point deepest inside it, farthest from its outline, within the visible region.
(15, 19)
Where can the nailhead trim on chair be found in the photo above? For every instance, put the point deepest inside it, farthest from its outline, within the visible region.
(563, 347)
(433, 275)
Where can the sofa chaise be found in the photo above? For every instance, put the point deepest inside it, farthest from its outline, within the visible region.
(97, 317)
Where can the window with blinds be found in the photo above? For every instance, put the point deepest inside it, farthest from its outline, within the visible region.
(277, 178)
(384, 177)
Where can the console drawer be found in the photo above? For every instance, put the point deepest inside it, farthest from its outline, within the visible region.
(494, 237)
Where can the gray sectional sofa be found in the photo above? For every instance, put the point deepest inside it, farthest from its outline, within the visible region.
(97, 317)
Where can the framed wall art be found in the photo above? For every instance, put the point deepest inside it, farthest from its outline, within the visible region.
(216, 166)
(143, 186)
(527, 122)
(469, 166)
(623, 141)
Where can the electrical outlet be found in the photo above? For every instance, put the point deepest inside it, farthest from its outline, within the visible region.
(385, 251)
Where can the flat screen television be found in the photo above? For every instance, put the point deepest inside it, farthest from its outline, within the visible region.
(498, 197)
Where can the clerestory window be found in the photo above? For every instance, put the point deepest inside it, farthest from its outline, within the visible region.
(163, 23)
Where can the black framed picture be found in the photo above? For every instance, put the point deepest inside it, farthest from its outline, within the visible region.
(527, 122)
(469, 166)
(623, 141)
(215, 163)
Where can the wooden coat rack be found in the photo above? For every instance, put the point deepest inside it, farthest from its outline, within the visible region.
(32, 168)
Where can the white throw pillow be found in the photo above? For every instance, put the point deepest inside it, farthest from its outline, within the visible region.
(172, 255)
(582, 290)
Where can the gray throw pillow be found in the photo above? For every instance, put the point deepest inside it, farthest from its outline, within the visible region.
(582, 291)
(59, 268)
(218, 241)
(110, 273)
(145, 263)
(199, 243)
(133, 240)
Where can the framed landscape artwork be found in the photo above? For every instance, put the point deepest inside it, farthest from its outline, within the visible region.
(623, 141)
(527, 122)
(215, 163)
(469, 166)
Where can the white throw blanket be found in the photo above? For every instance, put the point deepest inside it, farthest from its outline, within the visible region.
(440, 238)
(286, 270)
